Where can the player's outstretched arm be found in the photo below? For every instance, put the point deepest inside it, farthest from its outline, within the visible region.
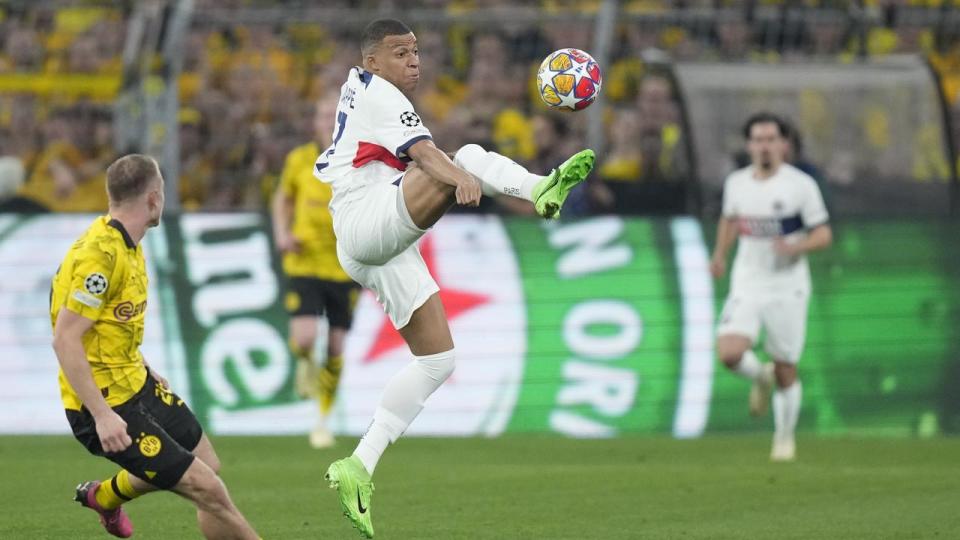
(68, 344)
(440, 167)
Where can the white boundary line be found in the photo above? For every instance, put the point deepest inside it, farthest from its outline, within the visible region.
(696, 293)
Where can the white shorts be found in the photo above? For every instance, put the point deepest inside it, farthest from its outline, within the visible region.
(782, 315)
(376, 245)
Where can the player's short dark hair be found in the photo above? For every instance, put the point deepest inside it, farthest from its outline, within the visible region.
(766, 118)
(130, 176)
(374, 33)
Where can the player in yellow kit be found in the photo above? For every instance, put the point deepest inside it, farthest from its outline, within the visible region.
(317, 285)
(117, 406)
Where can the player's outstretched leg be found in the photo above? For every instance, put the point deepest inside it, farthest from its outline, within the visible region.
(115, 521)
(552, 191)
(355, 488)
(500, 175)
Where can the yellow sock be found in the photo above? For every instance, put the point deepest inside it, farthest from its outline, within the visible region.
(328, 381)
(115, 491)
(301, 354)
(305, 382)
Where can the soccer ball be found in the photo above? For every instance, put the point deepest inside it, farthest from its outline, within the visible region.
(569, 79)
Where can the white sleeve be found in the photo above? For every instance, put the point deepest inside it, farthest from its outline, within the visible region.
(394, 123)
(813, 211)
(729, 208)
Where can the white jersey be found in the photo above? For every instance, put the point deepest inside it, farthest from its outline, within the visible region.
(787, 204)
(376, 125)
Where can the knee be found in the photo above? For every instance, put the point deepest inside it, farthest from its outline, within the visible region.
(438, 366)
(730, 357)
(785, 374)
(467, 153)
(214, 464)
(202, 486)
(302, 342)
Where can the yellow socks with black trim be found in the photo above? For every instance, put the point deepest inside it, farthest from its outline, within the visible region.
(115, 491)
(327, 381)
(305, 381)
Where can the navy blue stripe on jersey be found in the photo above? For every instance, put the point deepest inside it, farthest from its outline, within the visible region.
(402, 149)
(791, 224)
(365, 77)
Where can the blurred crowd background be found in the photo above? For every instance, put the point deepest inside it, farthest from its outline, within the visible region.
(253, 74)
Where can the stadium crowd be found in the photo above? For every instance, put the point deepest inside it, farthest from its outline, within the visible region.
(247, 91)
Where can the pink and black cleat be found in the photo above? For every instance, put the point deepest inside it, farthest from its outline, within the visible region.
(114, 521)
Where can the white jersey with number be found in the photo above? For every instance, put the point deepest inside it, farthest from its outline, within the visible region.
(787, 204)
(376, 125)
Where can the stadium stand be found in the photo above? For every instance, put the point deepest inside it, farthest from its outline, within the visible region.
(251, 71)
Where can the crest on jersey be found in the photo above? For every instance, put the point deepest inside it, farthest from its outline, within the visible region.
(409, 119)
(95, 283)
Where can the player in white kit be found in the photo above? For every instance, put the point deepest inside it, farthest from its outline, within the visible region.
(778, 213)
(382, 204)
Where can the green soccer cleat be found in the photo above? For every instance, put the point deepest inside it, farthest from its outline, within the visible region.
(352, 482)
(549, 194)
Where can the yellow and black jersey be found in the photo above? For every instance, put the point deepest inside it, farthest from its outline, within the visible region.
(104, 278)
(312, 222)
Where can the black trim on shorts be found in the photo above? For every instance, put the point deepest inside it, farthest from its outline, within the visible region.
(163, 429)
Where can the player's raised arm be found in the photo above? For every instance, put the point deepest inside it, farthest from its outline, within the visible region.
(440, 167)
(68, 345)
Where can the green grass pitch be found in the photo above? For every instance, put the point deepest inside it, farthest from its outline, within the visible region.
(530, 487)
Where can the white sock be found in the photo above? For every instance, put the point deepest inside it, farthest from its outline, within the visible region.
(401, 402)
(749, 366)
(786, 409)
(499, 175)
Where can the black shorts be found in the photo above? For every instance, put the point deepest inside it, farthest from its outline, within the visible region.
(316, 297)
(163, 429)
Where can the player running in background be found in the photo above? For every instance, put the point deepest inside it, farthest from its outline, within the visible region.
(382, 205)
(778, 213)
(117, 406)
(303, 232)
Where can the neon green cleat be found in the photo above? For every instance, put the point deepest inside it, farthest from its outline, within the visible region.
(351, 480)
(549, 194)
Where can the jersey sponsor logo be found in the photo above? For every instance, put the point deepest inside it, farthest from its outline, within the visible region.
(95, 283)
(759, 226)
(87, 299)
(410, 119)
(150, 445)
(769, 227)
(124, 311)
